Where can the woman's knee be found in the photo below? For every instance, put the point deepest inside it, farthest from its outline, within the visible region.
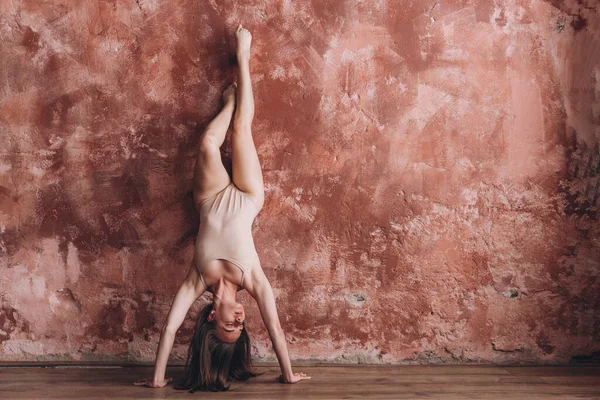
(243, 119)
(207, 145)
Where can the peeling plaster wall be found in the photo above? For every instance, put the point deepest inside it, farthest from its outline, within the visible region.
(431, 171)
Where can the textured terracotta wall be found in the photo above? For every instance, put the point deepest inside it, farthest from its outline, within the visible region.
(431, 170)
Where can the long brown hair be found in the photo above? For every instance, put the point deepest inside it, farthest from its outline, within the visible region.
(212, 362)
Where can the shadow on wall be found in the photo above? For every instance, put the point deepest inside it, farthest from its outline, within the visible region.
(578, 62)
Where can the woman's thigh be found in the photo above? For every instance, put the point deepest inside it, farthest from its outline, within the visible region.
(246, 169)
(210, 175)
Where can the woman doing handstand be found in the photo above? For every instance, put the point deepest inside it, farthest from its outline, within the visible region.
(225, 259)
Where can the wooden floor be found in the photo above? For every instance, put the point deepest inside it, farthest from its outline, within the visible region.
(328, 382)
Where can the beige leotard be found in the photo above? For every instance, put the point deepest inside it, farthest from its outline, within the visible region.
(226, 230)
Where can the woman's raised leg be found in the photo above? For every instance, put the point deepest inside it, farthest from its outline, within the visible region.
(247, 172)
(210, 175)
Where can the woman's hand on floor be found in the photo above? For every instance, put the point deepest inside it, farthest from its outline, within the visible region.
(296, 377)
(150, 382)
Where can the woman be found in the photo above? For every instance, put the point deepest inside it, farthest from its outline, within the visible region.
(225, 260)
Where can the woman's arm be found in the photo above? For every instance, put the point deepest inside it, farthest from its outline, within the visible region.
(191, 288)
(263, 294)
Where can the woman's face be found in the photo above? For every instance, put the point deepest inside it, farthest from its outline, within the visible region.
(229, 319)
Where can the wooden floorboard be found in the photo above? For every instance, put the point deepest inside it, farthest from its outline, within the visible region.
(328, 382)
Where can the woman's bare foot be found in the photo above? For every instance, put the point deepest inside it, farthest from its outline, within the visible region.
(229, 94)
(244, 39)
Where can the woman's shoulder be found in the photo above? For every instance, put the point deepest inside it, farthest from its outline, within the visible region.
(255, 279)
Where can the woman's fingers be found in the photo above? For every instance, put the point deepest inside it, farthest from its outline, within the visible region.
(297, 377)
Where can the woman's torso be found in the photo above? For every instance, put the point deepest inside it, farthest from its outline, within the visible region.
(224, 245)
